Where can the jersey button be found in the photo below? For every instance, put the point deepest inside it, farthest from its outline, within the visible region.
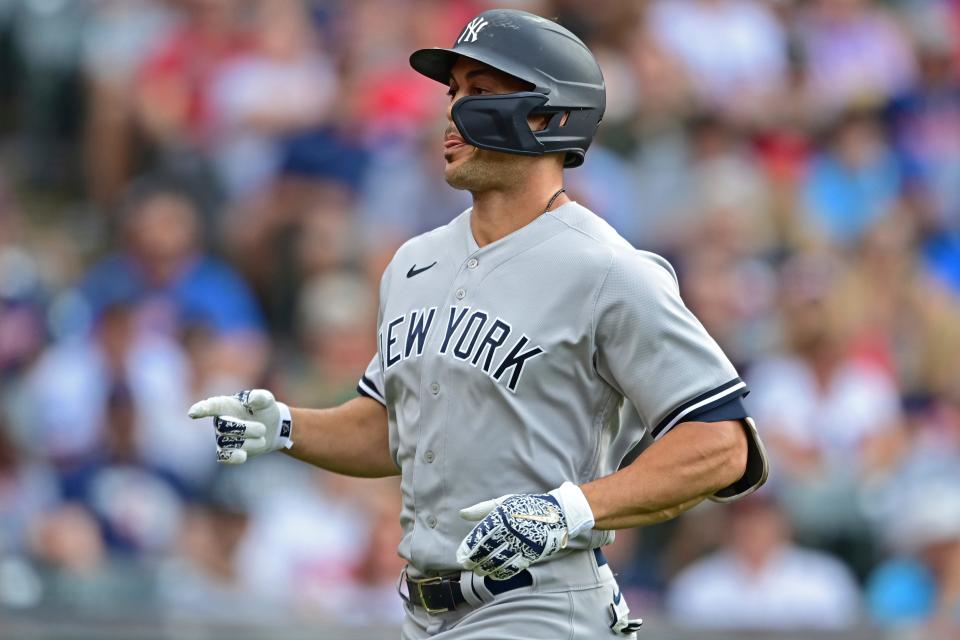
(428, 456)
(435, 388)
(472, 263)
(431, 522)
(461, 294)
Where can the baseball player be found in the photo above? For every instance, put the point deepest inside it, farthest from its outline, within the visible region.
(523, 351)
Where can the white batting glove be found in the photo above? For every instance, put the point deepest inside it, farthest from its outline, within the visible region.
(516, 531)
(248, 424)
(620, 620)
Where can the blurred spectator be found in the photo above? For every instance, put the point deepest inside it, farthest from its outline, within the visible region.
(854, 54)
(200, 582)
(761, 580)
(375, 580)
(941, 253)
(27, 488)
(731, 296)
(68, 539)
(335, 318)
(925, 121)
(908, 327)
(922, 584)
(22, 330)
(661, 163)
(116, 40)
(204, 579)
(734, 50)
(852, 184)
(304, 228)
(137, 507)
(401, 198)
(828, 419)
(82, 391)
(719, 236)
(47, 40)
(705, 174)
(664, 91)
(317, 530)
(282, 86)
(175, 82)
(77, 575)
(605, 185)
(177, 282)
(730, 200)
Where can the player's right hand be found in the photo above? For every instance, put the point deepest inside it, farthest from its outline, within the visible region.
(247, 424)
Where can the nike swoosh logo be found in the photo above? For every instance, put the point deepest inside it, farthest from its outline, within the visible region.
(553, 518)
(415, 272)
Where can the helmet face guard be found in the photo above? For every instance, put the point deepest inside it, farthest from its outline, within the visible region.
(500, 123)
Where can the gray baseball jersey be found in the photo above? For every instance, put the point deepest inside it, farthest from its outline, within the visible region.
(503, 369)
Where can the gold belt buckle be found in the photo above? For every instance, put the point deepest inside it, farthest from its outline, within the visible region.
(423, 601)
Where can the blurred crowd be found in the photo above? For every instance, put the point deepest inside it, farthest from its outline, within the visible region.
(199, 196)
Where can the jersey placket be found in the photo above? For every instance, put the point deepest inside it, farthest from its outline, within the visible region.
(437, 390)
(440, 410)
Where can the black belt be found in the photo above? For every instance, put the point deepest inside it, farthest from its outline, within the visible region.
(441, 594)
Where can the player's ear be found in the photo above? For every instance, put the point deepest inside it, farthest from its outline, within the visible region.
(539, 122)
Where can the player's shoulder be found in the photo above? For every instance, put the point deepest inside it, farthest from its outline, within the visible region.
(594, 236)
(624, 268)
(428, 245)
(434, 238)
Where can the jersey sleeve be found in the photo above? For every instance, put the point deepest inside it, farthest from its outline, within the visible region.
(371, 382)
(652, 349)
(656, 353)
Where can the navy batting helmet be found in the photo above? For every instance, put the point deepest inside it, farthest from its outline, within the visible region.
(565, 76)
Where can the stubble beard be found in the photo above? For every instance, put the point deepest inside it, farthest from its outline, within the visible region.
(485, 171)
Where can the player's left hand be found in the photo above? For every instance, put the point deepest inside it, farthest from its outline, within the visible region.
(516, 531)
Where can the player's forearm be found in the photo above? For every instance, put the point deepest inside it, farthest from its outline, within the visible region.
(676, 473)
(654, 517)
(351, 439)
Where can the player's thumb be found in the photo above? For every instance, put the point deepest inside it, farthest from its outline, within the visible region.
(479, 510)
(260, 399)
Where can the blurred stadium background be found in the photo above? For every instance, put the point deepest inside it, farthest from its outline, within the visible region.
(199, 196)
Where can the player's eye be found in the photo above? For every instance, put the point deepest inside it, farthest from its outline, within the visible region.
(474, 91)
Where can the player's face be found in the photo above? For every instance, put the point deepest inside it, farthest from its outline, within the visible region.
(468, 167)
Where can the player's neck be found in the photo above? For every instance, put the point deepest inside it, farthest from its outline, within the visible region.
(499, 212)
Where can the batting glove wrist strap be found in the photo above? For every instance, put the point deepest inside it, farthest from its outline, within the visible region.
(284, 427)
(575, 507)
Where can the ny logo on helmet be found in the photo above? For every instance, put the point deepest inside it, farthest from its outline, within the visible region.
(472, 30)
